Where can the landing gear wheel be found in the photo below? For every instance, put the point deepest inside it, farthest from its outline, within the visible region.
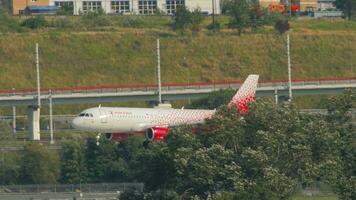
(145, 144)
(97, 139)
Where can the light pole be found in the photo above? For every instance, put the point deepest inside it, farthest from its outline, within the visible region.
(38, 77)
(289, 69)
(159, 72)
(213, 14)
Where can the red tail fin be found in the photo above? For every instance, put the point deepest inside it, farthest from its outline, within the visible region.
(245, 94)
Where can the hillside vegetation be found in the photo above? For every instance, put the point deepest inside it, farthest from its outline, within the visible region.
(119, 55)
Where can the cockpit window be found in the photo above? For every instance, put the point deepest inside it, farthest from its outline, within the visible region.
(86, 115)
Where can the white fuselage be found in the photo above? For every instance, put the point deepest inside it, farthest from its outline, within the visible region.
(129, 120)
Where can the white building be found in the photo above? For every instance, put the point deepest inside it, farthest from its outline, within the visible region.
(326, 5)
(144, 7)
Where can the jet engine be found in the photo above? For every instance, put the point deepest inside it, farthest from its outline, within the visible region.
(116, 136)
(156, 133)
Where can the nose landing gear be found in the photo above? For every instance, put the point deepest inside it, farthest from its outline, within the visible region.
(97, 139)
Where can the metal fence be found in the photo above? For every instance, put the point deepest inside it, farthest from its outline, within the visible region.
(71, 188)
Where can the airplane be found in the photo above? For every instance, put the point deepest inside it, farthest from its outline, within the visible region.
(118, 123)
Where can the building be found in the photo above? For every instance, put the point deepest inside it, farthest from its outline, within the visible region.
(326, 5)
(267, 3)
(19, 6)
(308, 5)
(143, 7)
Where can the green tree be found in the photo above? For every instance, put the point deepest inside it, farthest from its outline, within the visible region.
(73, 162)
(341, 171)
(9, 168)
(205, 171)
(35, 22)
(66, 9)
(239, 11)
(186, 19)
(40, 165)
(182, 18)
(103, 162)
(347, 6)
(196, 19)
(154, 167)
(213, 100)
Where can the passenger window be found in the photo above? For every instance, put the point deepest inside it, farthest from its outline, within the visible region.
(81, 114)
(91, 115)
(86, 115)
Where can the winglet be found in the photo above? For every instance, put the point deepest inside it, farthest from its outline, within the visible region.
(245, 94)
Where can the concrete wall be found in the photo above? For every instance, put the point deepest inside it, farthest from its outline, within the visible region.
(18, 5)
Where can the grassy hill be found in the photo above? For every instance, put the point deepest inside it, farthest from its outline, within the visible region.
(127, 55)
(124, 53)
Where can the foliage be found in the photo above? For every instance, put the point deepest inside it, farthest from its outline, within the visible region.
(184, 19)
(63, 23)
(341, 171)
(35, 22)
(95, 19)
(196, 19)
(7, 23)
(73, 167)
(239, 10)
(39, 164)
(213, 100)
(132, 22)
(282, 26)
(103, 162)
(347, 6)
(66, 9)
(266, 154)
(132, 195)
(10, 168)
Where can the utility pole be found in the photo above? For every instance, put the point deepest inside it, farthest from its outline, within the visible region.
(50, 117)
(289, 68)
(159, 72)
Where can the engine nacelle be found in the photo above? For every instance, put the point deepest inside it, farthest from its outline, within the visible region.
(156, 133)
(116, 136)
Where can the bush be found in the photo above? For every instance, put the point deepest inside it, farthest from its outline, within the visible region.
(95, 19)
(163, 195)
(8, 24)
(185, 19)
(131, 195)
(132, 22)
(282, 26)
(35, 22)
(63, 23)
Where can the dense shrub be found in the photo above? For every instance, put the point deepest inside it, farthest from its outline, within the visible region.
(132, 22)
(35, 22)
(95, 19)
(8, 24)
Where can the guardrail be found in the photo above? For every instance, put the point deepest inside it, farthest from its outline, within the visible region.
(168, 87)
